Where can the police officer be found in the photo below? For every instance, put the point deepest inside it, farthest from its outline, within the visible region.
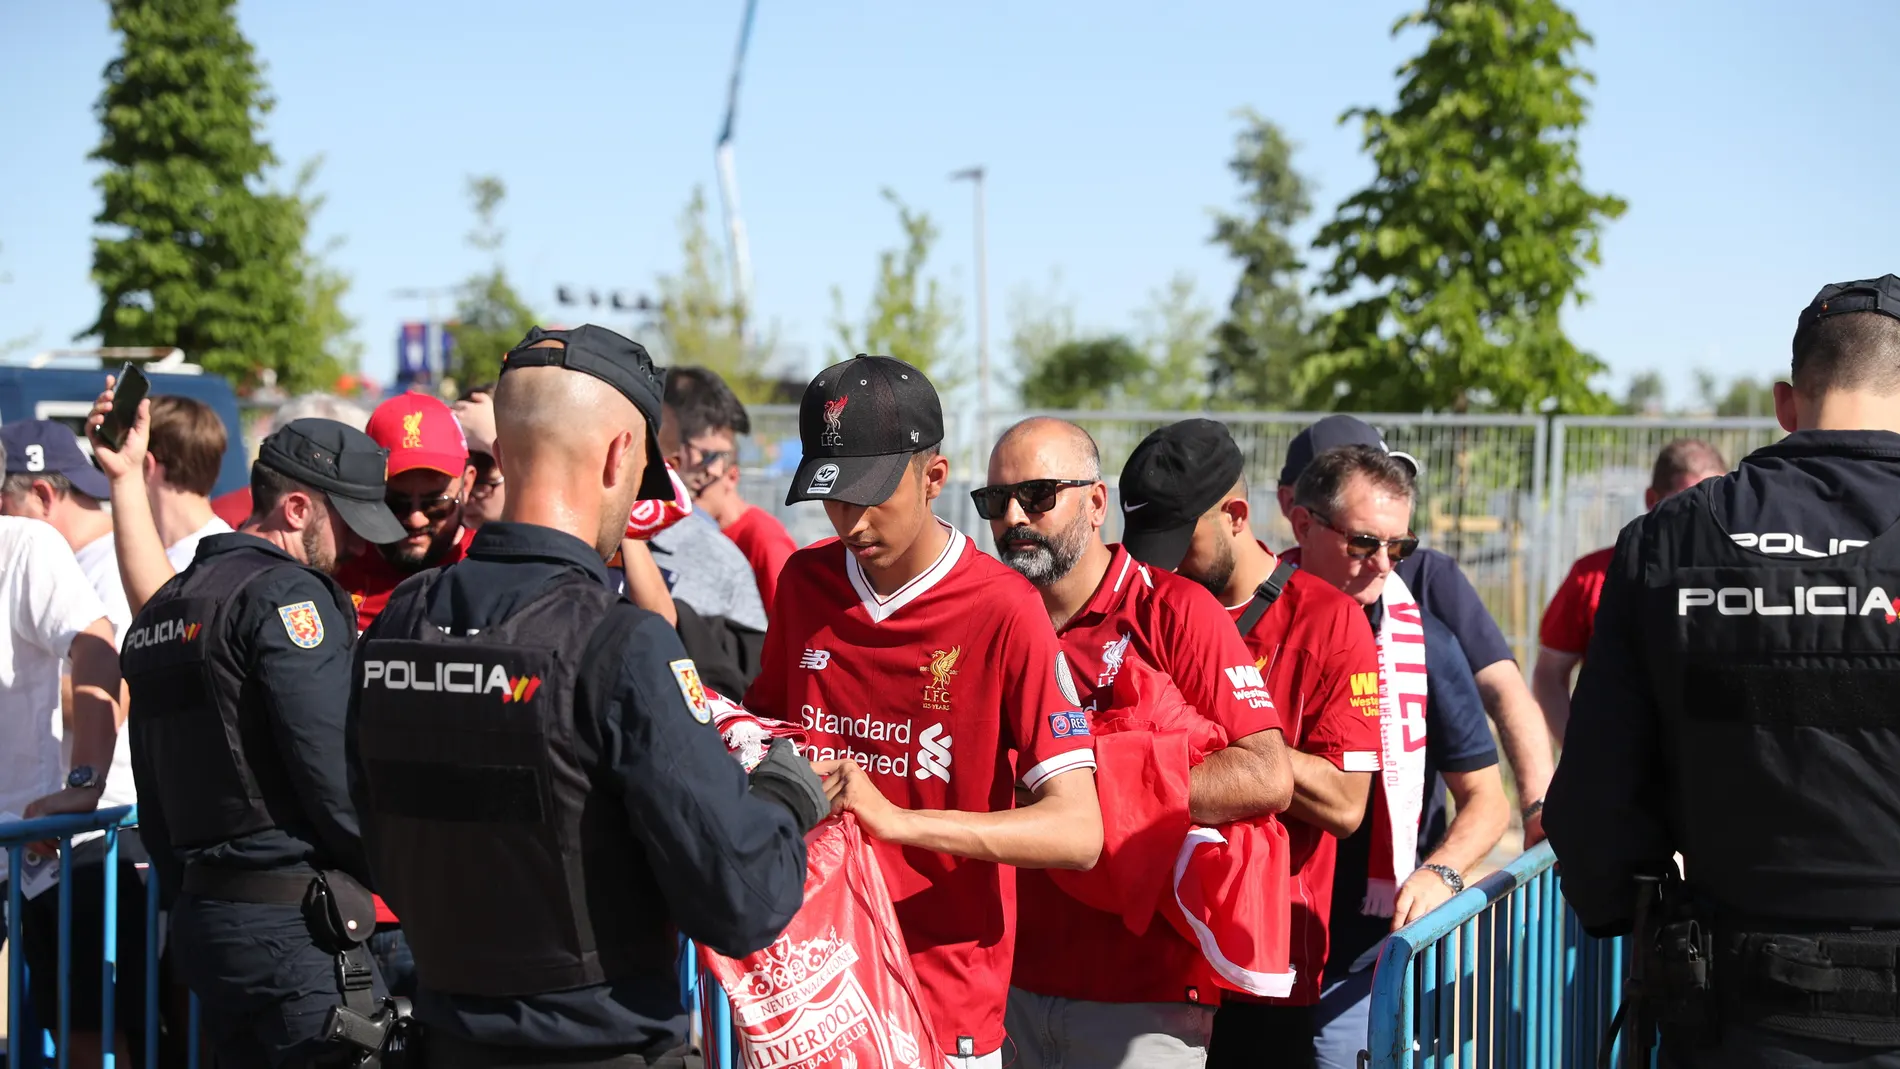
(1738, 706)
(544, 801)
(239, 676)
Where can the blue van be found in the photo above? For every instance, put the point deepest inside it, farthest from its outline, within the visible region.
(62, 386)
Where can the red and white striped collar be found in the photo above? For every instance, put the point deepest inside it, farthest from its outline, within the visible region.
(881, 608)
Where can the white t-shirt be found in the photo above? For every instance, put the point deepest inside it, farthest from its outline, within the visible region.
(181, 552)
(47, 601)
(99, 559)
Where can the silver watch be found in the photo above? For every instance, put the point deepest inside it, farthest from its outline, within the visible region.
(1449, 875)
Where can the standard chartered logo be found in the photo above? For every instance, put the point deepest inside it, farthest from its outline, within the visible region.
(933, 753)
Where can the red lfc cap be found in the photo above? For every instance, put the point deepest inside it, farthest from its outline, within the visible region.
(419, 432)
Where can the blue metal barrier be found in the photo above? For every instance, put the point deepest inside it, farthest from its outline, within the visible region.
(24, 1045)
(1500, 975)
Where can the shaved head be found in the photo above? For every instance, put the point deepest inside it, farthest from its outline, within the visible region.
(1057, 448)
(574, 449)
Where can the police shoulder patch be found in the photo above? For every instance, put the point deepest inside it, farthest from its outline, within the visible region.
(686, 674)
(303, 624)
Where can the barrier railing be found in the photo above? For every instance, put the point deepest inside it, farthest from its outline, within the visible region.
(1500, 975)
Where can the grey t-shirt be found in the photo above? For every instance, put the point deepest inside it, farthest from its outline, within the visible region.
(704, 569)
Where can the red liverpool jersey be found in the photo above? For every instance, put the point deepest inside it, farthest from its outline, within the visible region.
(1322, 667)
(1063, 947)
(370, 578)
(947, 693)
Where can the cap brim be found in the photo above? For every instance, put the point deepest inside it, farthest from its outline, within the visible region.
(371, 520)
(1409, 459)
(90, 481)
(655, 484)
(1163, 548)
(862, 481)
(422, 460)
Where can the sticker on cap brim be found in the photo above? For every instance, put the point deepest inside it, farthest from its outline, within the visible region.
(686, 674)
(823, 479)
(303, 624)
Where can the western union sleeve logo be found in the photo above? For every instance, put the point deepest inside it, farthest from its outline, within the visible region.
(1365, 693)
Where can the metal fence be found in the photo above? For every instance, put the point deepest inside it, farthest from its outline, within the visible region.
(1515, 498)
(1500, 976)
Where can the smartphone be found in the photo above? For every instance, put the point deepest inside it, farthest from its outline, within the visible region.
(131, 390)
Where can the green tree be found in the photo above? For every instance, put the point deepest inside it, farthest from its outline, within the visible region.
(490, 317)
(1084, 373)
(324, 285)
(908, 317)
(1267, 332)
(701, 323)
(1477, 229)
(197, 253)
(1646, 395)
(1176, 332)
(1742, 396)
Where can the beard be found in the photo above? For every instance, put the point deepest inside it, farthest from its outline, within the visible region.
(1219, 571)
(413, 559)
(314, 550)
(1048, 558)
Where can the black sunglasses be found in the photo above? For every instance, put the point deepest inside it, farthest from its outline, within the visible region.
(1365, 546)
(434, 508)
(1036, 496)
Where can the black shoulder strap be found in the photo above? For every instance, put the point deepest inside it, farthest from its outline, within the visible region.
(1265, 595)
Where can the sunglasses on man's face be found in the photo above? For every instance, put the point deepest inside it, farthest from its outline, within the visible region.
(1365, 546)
(435, 507)
(1036, 496)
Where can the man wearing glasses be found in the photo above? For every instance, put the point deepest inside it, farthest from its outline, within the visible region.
(1351, 511)
(1086, 992)
(429, 481)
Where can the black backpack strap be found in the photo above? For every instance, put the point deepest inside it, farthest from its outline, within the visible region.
(1265, 595)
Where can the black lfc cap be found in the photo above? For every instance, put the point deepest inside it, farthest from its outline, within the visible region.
(859, 424)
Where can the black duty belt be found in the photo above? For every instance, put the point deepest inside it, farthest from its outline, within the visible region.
(1843, 986)
(268, 887)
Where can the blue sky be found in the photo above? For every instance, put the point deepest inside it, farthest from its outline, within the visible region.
(1748, 137)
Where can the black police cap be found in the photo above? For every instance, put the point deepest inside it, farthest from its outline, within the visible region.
(619, 362)
(343, 462)
(1868, 295)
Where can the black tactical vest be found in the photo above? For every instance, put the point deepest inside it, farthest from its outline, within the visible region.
(513, 876)
(194, 715)
(1778, 680)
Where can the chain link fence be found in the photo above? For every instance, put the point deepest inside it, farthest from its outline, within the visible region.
(1514, 498)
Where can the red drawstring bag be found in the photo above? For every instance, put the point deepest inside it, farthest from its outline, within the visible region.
(1224, 889)
(836, 987)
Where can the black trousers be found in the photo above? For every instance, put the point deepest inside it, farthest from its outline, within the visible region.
(448, 1052)
(1744, 1046)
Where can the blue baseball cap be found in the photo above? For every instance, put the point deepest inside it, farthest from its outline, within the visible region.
(46, 447)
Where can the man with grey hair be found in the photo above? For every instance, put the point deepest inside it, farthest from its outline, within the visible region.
(1086, 993)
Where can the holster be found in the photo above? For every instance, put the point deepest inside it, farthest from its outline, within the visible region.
(341, 914)
(1668, 989)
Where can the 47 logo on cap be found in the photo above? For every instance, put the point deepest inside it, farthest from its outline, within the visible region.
(302, 624)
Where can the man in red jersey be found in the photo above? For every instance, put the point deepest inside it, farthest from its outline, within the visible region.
(1322, 668)
(916, 664)
(1564, 634)
(1086, 992)
(429, 479)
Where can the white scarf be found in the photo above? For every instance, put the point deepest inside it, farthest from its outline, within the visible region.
(1399, 793)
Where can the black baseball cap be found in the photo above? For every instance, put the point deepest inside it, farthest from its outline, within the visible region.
(343, 462)
(1331, 433)
(619, 362)
(859, 424)
(48, 447)
(1868, 295)
(1171, 479)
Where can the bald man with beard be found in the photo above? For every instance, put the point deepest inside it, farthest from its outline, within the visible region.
(543, 797)
(1086, 992)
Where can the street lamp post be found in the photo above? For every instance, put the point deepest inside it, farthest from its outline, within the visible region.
(975, 177)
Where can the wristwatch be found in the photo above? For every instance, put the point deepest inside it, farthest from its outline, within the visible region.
(1449, 875)
(82, 776)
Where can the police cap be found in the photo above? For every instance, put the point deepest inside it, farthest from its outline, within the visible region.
(619, 362)
(1868, 295)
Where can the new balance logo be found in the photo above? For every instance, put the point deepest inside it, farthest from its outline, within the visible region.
(933, 753)
(1364, 684)
(1245, 675)
(816, 660)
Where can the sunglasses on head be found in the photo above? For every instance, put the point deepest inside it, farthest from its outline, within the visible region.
(1036, 496)
(1365, 546)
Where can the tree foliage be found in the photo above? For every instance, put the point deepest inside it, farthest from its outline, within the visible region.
(197, 253)
(1477, 229)
(1084, 373)
(701, 322)
(1267, 331)
(1740, 396)
(908, 316)
(1164, 366)
(490, 317)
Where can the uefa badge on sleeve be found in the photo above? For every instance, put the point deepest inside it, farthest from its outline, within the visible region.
(686, 674)
(302, 624)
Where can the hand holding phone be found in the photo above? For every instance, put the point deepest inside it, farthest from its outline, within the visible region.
(129, 391)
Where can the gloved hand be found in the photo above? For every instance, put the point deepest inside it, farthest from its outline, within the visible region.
(787, 778)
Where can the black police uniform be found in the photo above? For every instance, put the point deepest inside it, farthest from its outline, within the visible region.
(1737, 705)
(545, 802)
(239, 676)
